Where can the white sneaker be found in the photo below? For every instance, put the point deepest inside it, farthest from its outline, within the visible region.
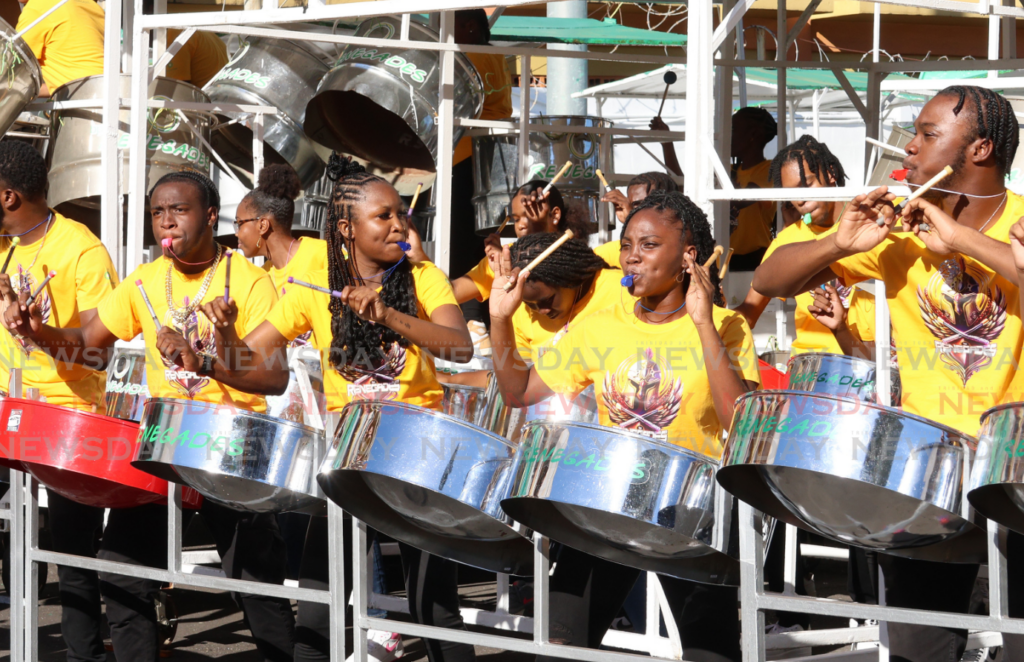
(785, 653)
(975, 655)
(382, 646)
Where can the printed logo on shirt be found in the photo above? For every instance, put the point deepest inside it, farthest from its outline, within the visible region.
(642, 396)
(301, 340)
(198, 332)
(966, 313)
(23, 281)
(379, 383)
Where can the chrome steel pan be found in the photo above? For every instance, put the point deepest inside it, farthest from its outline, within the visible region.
(428, 480)
(855, 472)
(839, 375)
(127, 391)
(996, 488)
(303, 400)
(626, 498)
(247, 461)
(20, 77)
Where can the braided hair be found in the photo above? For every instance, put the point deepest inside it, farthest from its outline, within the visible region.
(769, 127)
(575, 215)
(275, 195)
(207, 191)
(695, 226)
(817, 157)
(654, 181)
(23, 169)
(993, 120)
(571, 265)
(355, 341)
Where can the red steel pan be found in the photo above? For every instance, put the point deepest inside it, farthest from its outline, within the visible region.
(82, 456)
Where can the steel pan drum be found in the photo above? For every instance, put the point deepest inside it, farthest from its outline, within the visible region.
(496, 167)
(839, 375)
(429, 480)
(626, 498)
(382, 106)
(771, 377)
(855, 472)
(20, 77)
(126, 384)
(997, 478)
(76, 138)
(84, 457)
(270, 72)
(244, 460)
(303, 401)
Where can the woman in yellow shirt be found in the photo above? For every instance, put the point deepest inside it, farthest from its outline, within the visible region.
(377, 340)
(690, 358)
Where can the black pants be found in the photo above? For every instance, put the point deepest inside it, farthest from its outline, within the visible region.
(74, 530)
(431, 584)
(587, 593)
(250, 547)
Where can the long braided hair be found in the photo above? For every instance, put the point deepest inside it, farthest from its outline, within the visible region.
(575, 215)
(275, 195)
(571, 265)
(695, 227)
(355, 341)
(993, 120)
(810, 154)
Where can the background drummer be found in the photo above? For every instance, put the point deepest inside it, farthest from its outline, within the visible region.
(952, 297)
(68, 43)
(182, 361)
(637, 189)
(85, 276)
(377, 342)
(199, 60)
(671, 366)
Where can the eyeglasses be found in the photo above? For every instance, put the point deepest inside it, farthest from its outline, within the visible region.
(239, 222)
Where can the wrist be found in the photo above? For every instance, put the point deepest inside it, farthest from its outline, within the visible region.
(837, 252)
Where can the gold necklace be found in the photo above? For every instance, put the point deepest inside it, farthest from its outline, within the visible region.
(179, 315)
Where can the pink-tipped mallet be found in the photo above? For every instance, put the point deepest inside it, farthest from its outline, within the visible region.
(227, 275)
(333, 293)
(32, 297)
(10, 254)
(149, 306)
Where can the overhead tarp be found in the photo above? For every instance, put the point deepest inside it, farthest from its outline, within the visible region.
(589, 31)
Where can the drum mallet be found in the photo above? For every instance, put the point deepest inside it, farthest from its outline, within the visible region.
(405, 245)
(670, 79)
(714, 256)
(946, 172)
(725, 265)
(32, 297)
(543, 256)
(10, 253)
(149, 306)
(334, 293)
(227, 276)
(561, 173)
(508, 217)
(604, 182)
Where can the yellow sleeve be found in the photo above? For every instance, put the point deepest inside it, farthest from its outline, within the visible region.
(483, 277)
(859, 267)
(95, 277)
(739, 343)
(861, 315)
(180, 66)
(432, 288)
(521, 324)
(118, 312)
(37, 37)
(261, 299)
(565, 367)
(291, 314)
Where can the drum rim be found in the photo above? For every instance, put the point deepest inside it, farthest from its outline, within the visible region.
(888, 410)
(845, 358)
(607, 429)
(599, 122)
(81, 81)
(238, 412)
(66, 410)
(996, 410)
(377, 404)
(463, 387)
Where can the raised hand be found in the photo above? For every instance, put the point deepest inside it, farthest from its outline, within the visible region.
(700, 297)
(1016, 245)
(620, 202)
(859, 230)
(19, 317)
(828, 307)
(416, 252)
(365, 302)
(942, 233)
(176, 350)
(503, 304)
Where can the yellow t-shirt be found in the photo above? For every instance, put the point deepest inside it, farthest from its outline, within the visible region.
(85, 276)
(753, 222)
(493, 70)
(533, 330)
(958, 323)
(483, 277)
(310, 255)
(610, 253)
(408, 376)
(125, 314)
(812, 335)
(200, 59)
(68, 43)
(649, 378)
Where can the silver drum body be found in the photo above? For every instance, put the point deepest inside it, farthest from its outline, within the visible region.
(625, 498)
(840, 375)
(997, 478)
(496, 164)
(270, 72)
(303, 400)
(382, 105)
(127, 391)
(20, 77)
(854, 472)
(429, 480)
(76, 136)
(244, 460)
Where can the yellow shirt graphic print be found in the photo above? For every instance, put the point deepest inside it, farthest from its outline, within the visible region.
(643, 395)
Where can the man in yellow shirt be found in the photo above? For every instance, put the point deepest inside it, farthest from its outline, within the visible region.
(751, 222)
(199, 60)
(952, 294)
(68, 43)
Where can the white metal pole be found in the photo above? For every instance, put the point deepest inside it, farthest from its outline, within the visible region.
(741, 72)
(445, 132)
(876, 32)
(336, 579)
(257, 146)
(18, 629)
(111, 214)
(137, 146)
(525, 85)
(699, 105)
(993, 42)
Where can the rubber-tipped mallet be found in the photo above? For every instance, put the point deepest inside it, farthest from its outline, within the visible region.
(670, 78)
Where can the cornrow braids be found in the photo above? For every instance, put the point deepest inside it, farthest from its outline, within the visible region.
(207, 191)
(810, 154)
(993, 120)
(279, 185)
(769, 127)
(695, 226)
(571, 265)
(356, 342)
(654, 181)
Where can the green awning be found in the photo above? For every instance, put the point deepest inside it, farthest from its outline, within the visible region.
(813, 79)
(579, 31)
